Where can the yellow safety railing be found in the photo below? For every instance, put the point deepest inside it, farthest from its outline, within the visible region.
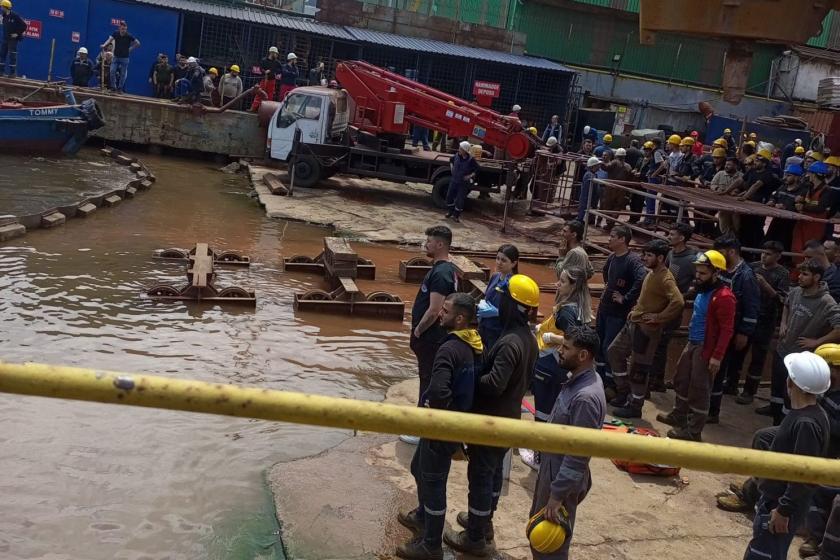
(266, 404)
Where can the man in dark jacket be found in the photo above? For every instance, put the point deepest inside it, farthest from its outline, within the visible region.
(288, 76)
(564, 480)
(554, 129)
(453, 371)
(509, 366)
(81, 69)
(13, 29)
(464, 167)
(741, 279)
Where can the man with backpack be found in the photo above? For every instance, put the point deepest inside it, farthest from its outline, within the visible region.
(450, 388)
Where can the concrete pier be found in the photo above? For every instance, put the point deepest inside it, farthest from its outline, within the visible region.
(156, 122)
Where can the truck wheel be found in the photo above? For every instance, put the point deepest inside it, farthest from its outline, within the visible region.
(307, 171)
(439, 190)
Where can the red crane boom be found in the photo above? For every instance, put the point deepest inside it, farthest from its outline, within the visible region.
(387, 103)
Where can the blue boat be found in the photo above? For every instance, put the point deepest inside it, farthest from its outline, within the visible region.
(47, 128)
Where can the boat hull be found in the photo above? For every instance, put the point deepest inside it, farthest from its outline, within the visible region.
(59, 129)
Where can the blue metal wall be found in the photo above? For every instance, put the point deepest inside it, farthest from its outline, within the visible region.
(156, 28)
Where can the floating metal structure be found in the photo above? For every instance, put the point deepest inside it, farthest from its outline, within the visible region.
(199, 287)
(231, 258)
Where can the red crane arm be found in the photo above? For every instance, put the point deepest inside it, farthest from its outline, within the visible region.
(387, 103)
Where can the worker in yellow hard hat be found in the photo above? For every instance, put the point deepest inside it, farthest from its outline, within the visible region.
(799, 150)
(731, 146)
(509, 366)
(14, 27)
(719, 143)
(710, 169)
(711, 322)
(231, 87)
(563, 481)
(686, 168)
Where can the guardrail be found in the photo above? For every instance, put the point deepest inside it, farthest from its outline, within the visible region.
(266, 404)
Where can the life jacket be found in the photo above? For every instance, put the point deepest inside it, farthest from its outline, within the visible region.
(639, 468)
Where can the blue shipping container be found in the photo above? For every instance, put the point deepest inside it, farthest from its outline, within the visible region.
(88, 23)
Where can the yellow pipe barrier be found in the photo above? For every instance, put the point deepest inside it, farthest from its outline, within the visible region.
(231, 400)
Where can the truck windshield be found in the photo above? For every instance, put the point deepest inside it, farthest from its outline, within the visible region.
(299, 106)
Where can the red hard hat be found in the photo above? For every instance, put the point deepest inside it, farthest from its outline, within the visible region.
(695, 133)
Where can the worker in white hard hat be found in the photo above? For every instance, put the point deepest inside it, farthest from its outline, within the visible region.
(553, 145)
(805, 430)
(289, 73)
(464, 167)
(515, 110)
(589, 190)
(270, 66)
(81, 69)
(14, 27)
(614, 198)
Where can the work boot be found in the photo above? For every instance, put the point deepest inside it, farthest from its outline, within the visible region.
(737, 488)
(630, 410)
(811, 547)
(464, 518)
(456, 218)
(411, 520)
(727, 390)
(461, 542)
(731, 502)
(768, 410)
(683, 433)
(419, 549)
(744, 398)
(620, 400)
(672, 419)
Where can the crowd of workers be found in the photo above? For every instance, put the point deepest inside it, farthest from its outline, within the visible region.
(580, 364)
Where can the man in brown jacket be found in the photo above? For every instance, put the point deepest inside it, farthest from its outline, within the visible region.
(660, 303)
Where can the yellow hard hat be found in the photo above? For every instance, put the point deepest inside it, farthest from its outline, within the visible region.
(718, 152)
(5, 4)
(711, 258)
(720, 142)
(214, 71)
(607, 138)
(674, 139)
(546, 537)
(765, 153)
(750, 143)
(648, 145)
(799, 150)
(687, 141)
(727, 131)
(816, 155)
(234, 68)
(524, 290)
(533, 130)
(830, 353)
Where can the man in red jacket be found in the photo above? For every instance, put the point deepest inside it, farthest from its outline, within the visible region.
(709, 332)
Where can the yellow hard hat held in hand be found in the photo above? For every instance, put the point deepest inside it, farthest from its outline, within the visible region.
(546, 536)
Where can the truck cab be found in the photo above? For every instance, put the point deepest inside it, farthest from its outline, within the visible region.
(322, 115)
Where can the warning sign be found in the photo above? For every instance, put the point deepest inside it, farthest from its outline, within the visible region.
(33, 29)
(75, 36)
(486, 89)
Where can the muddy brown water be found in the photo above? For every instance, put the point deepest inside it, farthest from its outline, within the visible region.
(82, 480)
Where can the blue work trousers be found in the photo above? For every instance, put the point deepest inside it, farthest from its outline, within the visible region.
(430, 468)
(765, 545)
(484, 474)
(456, 196)
(119, 73)
(607, 327)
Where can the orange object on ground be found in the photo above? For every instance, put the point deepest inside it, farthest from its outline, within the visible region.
(641, 468)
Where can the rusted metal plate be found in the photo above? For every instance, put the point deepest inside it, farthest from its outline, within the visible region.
(379, 309)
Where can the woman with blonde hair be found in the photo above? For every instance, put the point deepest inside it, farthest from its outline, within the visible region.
(573, 307)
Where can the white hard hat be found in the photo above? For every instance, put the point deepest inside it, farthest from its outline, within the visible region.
(551, 141)
(593, 161)
(465, 146)
(621, 152)
(291, 56)
(586, 129)
(274, 49)
(192, 60)
(809, 372)
(516, 108)
(798, 141)
(82, 50)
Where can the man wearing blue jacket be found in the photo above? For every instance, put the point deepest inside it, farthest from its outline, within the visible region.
(740, 278)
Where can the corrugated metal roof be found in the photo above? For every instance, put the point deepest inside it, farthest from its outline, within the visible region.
(817, 53)
(251, 15)
(451, 49)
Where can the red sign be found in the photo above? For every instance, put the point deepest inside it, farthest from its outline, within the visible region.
(75, 36)
(56, 13)
(486, 89)
(33, 29)
(116, 21)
